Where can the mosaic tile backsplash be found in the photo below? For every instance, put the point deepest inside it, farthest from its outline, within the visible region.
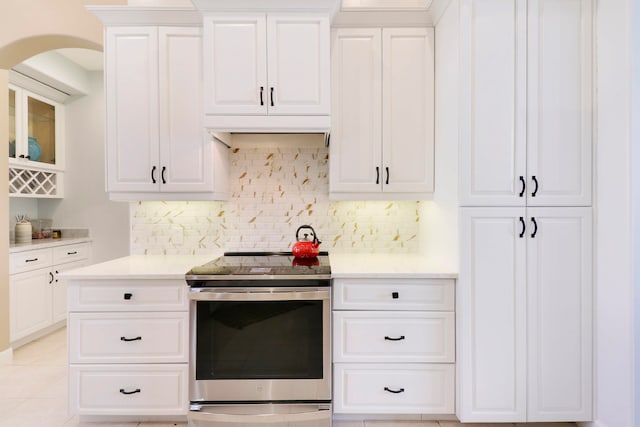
(274, 190)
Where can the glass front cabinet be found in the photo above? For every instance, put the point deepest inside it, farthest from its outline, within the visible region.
(36, 135)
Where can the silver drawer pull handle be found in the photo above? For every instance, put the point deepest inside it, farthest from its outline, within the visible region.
(401, 390)
(125, 339)
(400, 338)
(129, 392)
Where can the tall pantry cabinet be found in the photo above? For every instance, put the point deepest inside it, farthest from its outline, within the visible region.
(525, 285)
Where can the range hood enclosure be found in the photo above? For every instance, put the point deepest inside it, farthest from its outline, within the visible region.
(266, 65)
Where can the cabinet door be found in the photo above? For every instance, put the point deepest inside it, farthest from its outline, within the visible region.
(185, 155)
(408, 109)
(559, 111)
(298, 64)
(29, 302)
(491, 310)
(356, 151)
(493, 108)
(559, 283)
(235, 64)
(59, 290)
(131, 92)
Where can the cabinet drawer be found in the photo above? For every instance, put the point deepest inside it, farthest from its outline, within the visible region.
(128, 295)
(128, 337)
(20, 262)
(393, 294)
(69, 253)
(386, 336)
(394, 389)
(128, 389)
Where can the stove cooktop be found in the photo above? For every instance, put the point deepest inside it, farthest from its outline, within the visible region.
(262, 266)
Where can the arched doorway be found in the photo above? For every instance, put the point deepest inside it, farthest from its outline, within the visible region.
(27, 29)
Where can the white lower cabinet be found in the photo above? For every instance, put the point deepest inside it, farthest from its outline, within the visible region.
(524, 307)
(128, 347)
(420, 388)
(37, 298)
(128, 389)
(394, 346)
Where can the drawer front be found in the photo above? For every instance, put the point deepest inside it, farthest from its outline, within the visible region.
(394, 389)
(393, 294)
(128, 337)
(69, 253)
(386, 336)
(128, 295)
(128, 389)
(20, 262)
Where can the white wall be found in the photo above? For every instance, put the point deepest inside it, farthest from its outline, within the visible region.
(439, 217)
(614, 357)
(86, 204)
(635, 191)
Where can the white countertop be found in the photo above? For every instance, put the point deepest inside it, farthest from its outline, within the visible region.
(388, 265)
(342, 266)
(141, 267)
(46, 243)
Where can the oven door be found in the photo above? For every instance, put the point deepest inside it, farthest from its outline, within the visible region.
(260, 345)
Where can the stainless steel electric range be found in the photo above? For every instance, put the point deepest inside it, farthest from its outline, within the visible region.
(260, 341)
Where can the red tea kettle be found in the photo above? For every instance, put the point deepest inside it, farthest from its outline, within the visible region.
(308, 246)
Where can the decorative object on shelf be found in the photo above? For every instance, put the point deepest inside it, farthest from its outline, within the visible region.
(34, 149)
(23, 229)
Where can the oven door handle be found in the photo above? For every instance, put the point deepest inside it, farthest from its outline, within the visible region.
(207, 295)
(259, 419)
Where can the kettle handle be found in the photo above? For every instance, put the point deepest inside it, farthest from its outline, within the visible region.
(315, 237)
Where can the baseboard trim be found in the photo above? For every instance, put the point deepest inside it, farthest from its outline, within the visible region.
(592, 424)
(6, 356)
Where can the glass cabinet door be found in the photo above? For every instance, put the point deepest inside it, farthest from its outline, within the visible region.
(12, 123)
(32, 127)
(41, 143)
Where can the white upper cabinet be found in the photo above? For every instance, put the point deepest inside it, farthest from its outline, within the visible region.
(36, 138)
(355, 152)
(559, 102)
(235, 61)
(156, 144)
(526, 116)
(382, 140)
(131, 90)
(298, 68)
(185, 156)
(265, 64)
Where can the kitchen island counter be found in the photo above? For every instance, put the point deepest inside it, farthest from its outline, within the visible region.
(141, 267)
(417, 266)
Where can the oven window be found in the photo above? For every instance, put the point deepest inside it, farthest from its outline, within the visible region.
(259, 340)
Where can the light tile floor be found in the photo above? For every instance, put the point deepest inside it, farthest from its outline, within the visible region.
(33, 393)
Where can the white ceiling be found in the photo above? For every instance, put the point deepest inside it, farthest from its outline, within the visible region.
(90, 60)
